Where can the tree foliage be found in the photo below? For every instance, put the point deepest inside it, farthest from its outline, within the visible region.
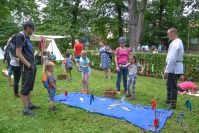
(90, 19)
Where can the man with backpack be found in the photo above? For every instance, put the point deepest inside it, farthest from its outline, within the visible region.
(25, 53)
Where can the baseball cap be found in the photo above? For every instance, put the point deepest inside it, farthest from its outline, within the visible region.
(29, 24)
(122, 39)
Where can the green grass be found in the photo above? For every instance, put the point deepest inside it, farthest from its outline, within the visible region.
(75, 120)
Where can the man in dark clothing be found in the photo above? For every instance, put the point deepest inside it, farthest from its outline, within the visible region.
(25, 53)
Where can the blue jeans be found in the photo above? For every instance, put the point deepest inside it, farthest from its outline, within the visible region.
(122, 72)
(9, 71)
(131, 79)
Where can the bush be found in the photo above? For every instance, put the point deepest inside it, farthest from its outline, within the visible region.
(154, 64)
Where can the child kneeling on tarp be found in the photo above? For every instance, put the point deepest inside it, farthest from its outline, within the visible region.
(186, 86)
(50, 83)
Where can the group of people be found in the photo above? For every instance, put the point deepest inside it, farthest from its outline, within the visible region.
(23, 66)
(126, 65)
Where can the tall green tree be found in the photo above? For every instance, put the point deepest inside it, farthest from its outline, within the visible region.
(12, 15)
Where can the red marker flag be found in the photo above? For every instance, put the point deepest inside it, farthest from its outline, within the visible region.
(156, 122)
(66, 93)
(153, 104)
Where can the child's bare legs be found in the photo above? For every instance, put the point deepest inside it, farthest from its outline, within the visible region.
(66, 75)
(85, 77)
(83, 82)
(51, 104)
(9, 81)
(86, 82)
(69, 71)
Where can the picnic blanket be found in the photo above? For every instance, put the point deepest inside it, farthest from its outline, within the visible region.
(137, 114)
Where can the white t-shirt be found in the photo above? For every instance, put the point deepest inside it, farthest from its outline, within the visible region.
(13, 60)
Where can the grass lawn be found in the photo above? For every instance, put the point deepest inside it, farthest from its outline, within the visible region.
(69, 119)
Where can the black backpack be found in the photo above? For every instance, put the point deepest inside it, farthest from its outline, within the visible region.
(12, 44)
(6, 57)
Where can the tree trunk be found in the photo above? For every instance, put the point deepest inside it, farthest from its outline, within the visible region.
(119, 11)
(135, 28)
(132, 23)
(140, 22)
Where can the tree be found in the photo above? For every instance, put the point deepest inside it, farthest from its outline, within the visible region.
(135, 25)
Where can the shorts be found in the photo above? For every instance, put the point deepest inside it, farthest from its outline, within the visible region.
(69, 68)
(77, 58)
(51, 93)
(86, 73)
(180, 89)
(28, 78)
(9, 71)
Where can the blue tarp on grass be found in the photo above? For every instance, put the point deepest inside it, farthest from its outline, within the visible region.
(137, 114)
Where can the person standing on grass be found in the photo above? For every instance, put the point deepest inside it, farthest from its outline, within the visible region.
(7, 58)
(86, 71)
(14, 64)
(68, 67)
(78, 47)
(105, 59)
(121, 58)
(25, 53)
(174, 66)
(133, 66)
(52, 84)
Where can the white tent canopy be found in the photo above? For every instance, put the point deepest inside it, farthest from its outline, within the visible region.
(1, 54)
(49, 41)
(53, 47)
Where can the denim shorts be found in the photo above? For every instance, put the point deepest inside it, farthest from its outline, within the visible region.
(51, 93)
(9, 71)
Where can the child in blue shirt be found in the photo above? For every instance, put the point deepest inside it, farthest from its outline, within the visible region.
(86, 71)
(52, 84)
(68, 67)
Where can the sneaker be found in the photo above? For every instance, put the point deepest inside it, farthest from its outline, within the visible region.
(67, 80)
(132, 97)
(54, 109)
(118, 92)
(10, 85)
(82, 91)
(27, 112)
(16, 95)
(171, 106)
(128, 95)
(32, 106)
(86, 91)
